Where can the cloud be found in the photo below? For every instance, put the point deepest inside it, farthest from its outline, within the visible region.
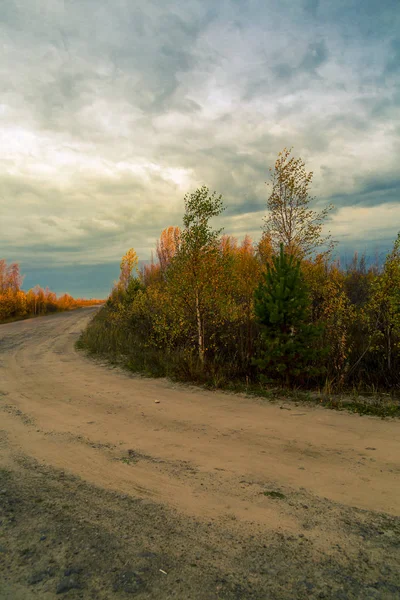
(311, 7)
(110, 113)
(373, 224)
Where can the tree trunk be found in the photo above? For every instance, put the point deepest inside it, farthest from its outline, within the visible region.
(200, 336)
(248, 333)
(389, 349)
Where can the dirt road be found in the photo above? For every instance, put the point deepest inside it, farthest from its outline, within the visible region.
(113, 485)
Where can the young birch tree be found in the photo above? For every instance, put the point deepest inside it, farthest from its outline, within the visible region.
(290, 219)
(189, 272)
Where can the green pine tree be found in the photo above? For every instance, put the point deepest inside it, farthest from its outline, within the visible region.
(289, 346)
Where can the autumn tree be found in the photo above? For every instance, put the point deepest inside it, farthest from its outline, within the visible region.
(338, 316)
(3, 275)
(358, 280)
(150, 274)
(290, 220)
(14, 277)
(10, 277)
(128, 267)
(384, 309)
(264, 249)
(243, 278)
(194, 267)
(15, 303)
(168, 246)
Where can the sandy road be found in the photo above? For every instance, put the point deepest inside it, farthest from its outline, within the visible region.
(204, 456)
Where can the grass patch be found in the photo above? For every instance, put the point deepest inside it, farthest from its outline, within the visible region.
(129, 461)
(378, 405)
(376, 408)
(274, 494)
(79, 345)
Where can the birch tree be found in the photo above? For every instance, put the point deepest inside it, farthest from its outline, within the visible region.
(290, 220)
(194, 266)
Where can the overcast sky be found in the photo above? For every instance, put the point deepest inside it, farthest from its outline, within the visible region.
(111, 110)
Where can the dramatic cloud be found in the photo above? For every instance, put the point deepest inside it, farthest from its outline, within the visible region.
(110, 112)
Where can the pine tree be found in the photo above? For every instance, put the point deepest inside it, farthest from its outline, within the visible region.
(289, 350)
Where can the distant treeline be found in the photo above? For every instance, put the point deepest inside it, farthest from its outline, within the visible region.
(15, 303)
(278, 312)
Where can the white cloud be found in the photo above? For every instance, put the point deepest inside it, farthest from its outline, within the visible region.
(366, 224)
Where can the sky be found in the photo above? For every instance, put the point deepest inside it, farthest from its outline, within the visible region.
(112, 110)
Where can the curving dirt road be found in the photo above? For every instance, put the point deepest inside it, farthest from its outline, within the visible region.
(112, 485)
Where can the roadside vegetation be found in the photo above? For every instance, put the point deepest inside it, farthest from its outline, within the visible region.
(16, 304)
(279, 314)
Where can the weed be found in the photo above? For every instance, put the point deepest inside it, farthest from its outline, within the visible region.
(274, 494)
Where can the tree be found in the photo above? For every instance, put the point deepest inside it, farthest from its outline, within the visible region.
(198, 238)
(333, 308)
(265, 249)
(10, 277)
(358, 280)
(128, 266)
(290, 221)
(14, 277)
(384, 308)
(168, 246)
(289, 342)
(190, 273)
(3, 275)
(245, 276)
(151, 274)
